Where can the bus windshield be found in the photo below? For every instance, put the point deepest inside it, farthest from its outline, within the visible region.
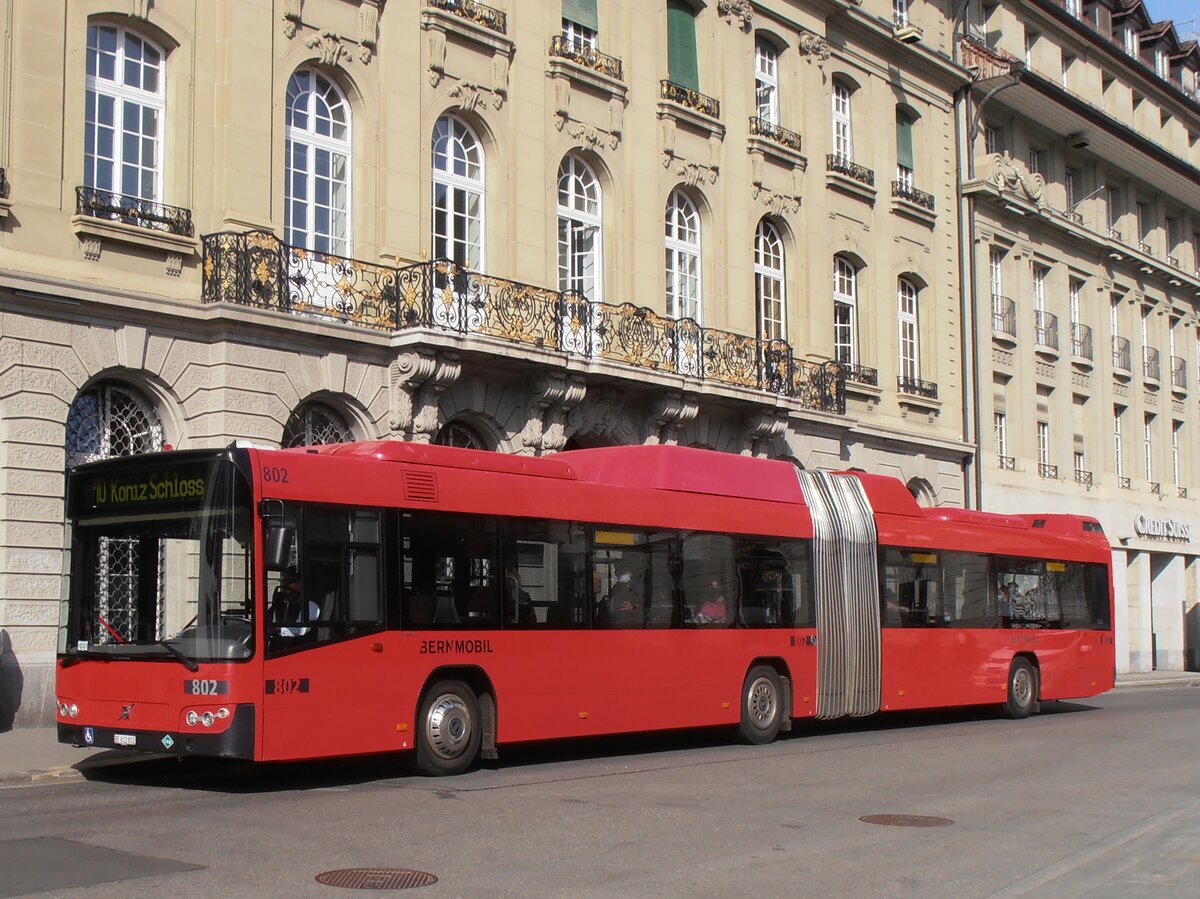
(160, 563)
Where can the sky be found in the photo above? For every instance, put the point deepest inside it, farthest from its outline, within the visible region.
(1179, 11)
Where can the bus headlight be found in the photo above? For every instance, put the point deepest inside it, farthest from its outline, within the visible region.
(222, 713)
(64, 710)
(207, 719)
(73, 710)
(192, 718)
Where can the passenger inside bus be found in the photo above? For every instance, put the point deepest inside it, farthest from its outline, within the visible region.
(625, 598)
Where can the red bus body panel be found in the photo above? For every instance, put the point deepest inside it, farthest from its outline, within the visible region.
(360, 695)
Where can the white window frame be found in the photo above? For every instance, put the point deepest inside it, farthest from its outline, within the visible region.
(1074, 293)
(578, 37)
(1132, 42)
(909, 348)
(1000, 427)
(1118, 441)
(845, 311)
(323, 101)
(580, 219)
(766, 81)
(1148, 445)
(996, 271)
(1043, 443)
(1080, 464)
(1176, 431)
(1040, 273)
(463, 195)
(127, 100)
(684, 294)
(842, 112)
(900, 13)
(770, 298)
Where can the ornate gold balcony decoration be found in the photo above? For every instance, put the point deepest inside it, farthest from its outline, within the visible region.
(692, 99)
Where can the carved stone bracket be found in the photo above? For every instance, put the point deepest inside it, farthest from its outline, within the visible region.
(762, 426)
(368, 29)
(328, 46)
(416, 380)
(691, 173)
(738, 11)
(140, 9)
(292, 17)
(471, 96)
(1010, 175)
(778, 204)
(813, 46)
(667, 414)
(555, 395)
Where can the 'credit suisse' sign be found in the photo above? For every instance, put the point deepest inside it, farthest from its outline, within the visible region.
(1162, 528)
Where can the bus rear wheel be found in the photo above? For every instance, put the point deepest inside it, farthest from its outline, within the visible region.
(762, 706)
(449, 730)
(1022, 689)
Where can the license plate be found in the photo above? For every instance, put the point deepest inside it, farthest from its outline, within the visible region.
(124, 740)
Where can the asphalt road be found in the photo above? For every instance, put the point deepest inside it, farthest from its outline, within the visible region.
(1097, 798)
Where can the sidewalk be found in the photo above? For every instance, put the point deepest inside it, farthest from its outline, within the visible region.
(31, 755)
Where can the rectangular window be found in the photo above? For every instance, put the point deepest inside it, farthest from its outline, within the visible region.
(904, 149)
(580, 23)
(1080, 464)
(843, 144)
(1000, 424)
(1074, 291)
(1043, 443)
(1113, 206)
(1067, 62)
(1037, 594)
(900, 13)
(1070, 179)
(682, 66)
(776, 584)
(991, 139)
(1040, 272)
(766, 82)
(1118, 442)
(1031, 39)
(996, 271)
(1148, 445)
(1176, 442)
(1037, 159)
(912, 588)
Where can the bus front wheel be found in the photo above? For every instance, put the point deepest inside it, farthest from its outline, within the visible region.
(449, 729)
(762, 705)
(1022, 689)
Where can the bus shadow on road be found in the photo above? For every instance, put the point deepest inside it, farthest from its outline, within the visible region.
(622, 752)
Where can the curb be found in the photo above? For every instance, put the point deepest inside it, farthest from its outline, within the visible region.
(65, 774)
(1162, 682)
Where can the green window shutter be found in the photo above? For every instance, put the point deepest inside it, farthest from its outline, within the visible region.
(582, 12)
(904, 143)
(681, 45)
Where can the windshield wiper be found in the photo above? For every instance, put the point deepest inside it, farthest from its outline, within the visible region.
(185, 660)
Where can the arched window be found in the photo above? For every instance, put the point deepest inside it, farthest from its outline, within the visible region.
(845, 311)
(456, 433)
(910, 346)
(683, 257)
(107, 420)
(766, 81)
(315, 424)
(317, 189)
(768, 281)
(458, 172)
(111, 419)
(579, 246)
(124, 114)
(843, 142)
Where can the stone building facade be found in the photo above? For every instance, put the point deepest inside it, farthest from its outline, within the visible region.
(718, 224)
(1083, 222)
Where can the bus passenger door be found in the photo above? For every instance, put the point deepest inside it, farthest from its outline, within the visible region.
(326, 671)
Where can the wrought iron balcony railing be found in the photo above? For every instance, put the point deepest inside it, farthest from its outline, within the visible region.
(1069, 214)
(1178, 373)
(1081, 341)
(1145, 248)
(1124, 483)
(1122, 358)
(917, 387)
(862, 374)
(1150, 367)
(492, 19)
(1007, 463)
(1083, 477)
(1046, 329)
(587, 56)
(843, 165)
(1004, 316)
(1173, 261)
(3, 184)
(692, 99)
(1181, 492)
(104, 204)
(760, 127)
(1155, 487)
(1046, 470)
(256, 268)
(904, 191)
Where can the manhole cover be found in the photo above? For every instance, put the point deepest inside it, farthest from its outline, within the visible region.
(906, 820)
(376, 878)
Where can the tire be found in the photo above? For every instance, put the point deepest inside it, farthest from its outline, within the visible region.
(448, 729)
(1022, 690)
(762, 706)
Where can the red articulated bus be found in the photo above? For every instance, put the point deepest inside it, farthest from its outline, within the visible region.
(385, 596)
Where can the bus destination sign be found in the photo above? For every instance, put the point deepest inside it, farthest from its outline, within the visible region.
(153, 488)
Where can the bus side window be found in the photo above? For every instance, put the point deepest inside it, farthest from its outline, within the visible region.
(776, 583)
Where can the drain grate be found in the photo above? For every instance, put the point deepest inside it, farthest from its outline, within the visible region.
(376, 878)
(906, 820)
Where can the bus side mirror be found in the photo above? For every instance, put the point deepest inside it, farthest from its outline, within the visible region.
(279, 542)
